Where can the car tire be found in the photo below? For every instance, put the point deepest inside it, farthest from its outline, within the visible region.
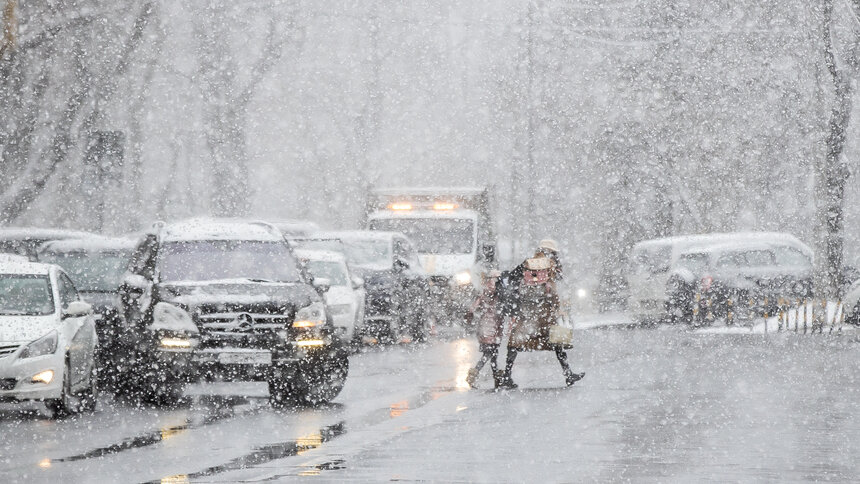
(67, 404)
(90, 397)
(315, 383)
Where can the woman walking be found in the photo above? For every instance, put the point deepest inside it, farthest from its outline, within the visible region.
(536, 311)
(487, 315)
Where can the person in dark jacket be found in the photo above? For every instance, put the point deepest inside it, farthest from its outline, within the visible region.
(532, 301)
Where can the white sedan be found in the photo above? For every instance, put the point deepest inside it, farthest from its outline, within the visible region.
(47, 339)
(345, 295)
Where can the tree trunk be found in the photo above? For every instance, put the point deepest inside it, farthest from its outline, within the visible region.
(830, 176)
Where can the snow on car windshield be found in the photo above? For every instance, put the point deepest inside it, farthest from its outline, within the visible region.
(25, 294)
(333, 271)
(99, 272)
(369, 253)
(227, 259)
(432, 235)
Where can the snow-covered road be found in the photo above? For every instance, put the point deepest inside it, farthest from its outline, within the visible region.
(656, 405)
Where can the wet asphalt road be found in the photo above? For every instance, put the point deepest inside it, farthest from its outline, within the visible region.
(659, 404)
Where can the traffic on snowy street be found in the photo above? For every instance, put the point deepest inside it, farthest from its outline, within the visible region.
(429, 241)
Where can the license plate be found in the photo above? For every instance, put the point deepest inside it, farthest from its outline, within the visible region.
(245, 358)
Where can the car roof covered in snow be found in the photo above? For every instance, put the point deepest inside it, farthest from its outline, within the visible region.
(746, 245)
(684, 242)
(25, 267)
(90, 244)
(320, 255)
(220, 229)
(39, 233)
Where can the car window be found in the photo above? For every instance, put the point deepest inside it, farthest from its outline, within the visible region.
(731, 259)
(759, 258)
(67, 291)
(696, 263)
(791, 257)
(335, 272)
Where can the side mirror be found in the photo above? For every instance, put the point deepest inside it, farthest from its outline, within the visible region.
(77, 309)
(322, 284)
(357, 282)
(400, 265)
(488, 253)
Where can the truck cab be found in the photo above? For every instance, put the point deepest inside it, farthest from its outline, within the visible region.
(452, 232)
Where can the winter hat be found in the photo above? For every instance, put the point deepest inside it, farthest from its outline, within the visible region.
(548, 244)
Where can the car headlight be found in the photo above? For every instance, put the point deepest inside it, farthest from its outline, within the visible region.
(463, 278)
(310, 316)
(46, 345)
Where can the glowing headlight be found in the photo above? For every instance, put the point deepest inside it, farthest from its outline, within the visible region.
(310, 342)
(463, 278)
(45, 345)
(45, 377)
(581, 293)
(176, 343)
(310, 316)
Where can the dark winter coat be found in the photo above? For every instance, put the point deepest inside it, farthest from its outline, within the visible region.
(537, 310)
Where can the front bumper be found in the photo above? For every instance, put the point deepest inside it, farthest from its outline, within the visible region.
(238, 364)
(16, 375)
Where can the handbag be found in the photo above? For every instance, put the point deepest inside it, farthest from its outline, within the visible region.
(561, 333)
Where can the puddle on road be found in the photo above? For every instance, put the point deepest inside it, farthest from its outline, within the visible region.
(268, 453)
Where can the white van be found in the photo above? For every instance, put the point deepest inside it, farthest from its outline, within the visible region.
(652, 263)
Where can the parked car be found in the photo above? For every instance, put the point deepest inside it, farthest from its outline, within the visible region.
(26, 241)
(742, 277)
(344, 291)
(224, 299)
(653, 262)
(96, 266)
(394, 282)
(47, 339)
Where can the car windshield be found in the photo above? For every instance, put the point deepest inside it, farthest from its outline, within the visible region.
(227, 259)
(91, 271)
(335, 272)
(368, 253)
(433, 235)
(25, 294)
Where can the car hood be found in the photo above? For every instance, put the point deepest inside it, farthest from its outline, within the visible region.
(238, 293)
(446, 264)
(23, 329)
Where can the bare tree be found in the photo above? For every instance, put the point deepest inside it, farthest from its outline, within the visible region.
(831, 171)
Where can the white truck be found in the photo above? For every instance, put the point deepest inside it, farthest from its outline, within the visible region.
(452, 230)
